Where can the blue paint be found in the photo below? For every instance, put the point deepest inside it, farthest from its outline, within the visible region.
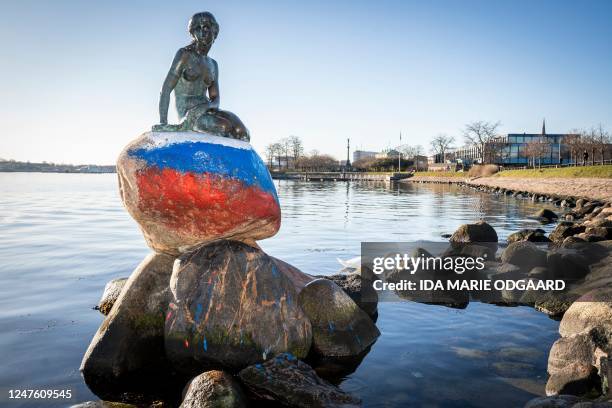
(205, 344)
(274, 271)
(201, 157)
(332, 327)
(198, 312)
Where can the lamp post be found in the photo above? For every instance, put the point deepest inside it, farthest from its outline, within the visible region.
(399, 155)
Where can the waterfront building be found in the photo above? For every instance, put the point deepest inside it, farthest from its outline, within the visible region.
(363, 154)
(388, 154)
(520, 149)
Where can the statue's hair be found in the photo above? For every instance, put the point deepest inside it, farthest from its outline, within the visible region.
(205, 15)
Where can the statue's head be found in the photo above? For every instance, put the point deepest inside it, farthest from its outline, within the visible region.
(203, 27)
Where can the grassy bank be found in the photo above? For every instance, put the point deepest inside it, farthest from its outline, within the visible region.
(565, 172)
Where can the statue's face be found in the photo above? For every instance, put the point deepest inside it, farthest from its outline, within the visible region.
(202, 32)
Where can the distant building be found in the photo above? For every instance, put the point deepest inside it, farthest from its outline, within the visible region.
(512, 150)
(363, 154)
(388, 154)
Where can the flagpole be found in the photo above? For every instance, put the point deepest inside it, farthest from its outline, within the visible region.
(399, 155)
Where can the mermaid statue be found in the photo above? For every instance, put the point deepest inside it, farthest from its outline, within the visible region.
(194, 78)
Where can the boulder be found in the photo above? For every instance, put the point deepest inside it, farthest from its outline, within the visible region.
(575, 379)
(576, 349)
(130, 341)
(363, 295)
(477, 232)
(565, 229)
(546, 215)
(213, 389)
(110, 295)
(524, 254)
(553, 304)
(591, 310)
(567, 263)
(558, 401)
(293, 383)
(339, 327)
(532, 235)
(188, 188)
(603, 232)
(231, 307)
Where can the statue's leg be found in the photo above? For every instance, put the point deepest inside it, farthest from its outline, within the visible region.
(238, 131)
(222, 123)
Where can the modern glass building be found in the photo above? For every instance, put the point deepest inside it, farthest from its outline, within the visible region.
(514, 149)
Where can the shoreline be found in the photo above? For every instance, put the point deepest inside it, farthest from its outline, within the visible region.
(553, 188)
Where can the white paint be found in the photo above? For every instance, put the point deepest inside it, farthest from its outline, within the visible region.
(159, 139)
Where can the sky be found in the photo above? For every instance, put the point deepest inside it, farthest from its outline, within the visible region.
(80, 79)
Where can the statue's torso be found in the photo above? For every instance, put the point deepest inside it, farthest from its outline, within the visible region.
(197, 74)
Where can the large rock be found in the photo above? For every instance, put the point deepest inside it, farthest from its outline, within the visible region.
(591, 310)
(560, 401)
(232, 306)
(213, 389)
(112, 290)
(532, 235)
(477, 232)
(294, 383)
(130, 341)
(568, 263)
(362, 294)
(565, 229)
(524, 254)
(339, 327)
(546, 215)
(186, 188)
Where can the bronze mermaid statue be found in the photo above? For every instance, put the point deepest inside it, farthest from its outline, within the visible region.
(194, 78)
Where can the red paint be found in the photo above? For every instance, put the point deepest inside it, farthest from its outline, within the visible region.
(202, 204)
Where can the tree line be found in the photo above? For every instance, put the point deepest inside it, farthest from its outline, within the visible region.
(288, 154)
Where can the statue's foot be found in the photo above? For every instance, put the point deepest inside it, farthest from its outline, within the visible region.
(166, 128)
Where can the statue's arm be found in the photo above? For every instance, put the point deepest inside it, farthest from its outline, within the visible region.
(169, 83)
(213, 90)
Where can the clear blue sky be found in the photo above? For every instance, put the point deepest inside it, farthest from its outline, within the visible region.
(80, 79)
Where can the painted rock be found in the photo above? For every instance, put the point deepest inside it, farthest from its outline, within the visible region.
(188, 188)
(232, 306)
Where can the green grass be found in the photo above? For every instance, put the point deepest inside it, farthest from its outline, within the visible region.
(457, 174)
(564, 172)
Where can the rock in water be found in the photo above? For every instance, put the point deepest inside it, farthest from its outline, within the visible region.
(188, 188)
(232, 307)
(213, 389)
(524, 254)
(339, 327)
(131, 338)
(112, 290)
(477, 232)
(294, 383)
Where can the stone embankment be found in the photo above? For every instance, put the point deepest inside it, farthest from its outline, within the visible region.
(556, 188)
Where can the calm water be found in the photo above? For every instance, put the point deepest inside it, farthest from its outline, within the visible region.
(63, 236)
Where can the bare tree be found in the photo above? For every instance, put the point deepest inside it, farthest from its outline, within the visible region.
(296, 148)
(277, 151)
(479, 134)
(270, 152)
(573, 143)
(536, 149)
(441, 143)
(602, 140)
